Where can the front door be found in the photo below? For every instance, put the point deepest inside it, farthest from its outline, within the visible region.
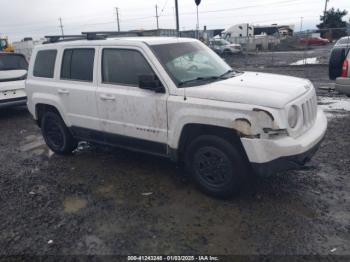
(130, 117)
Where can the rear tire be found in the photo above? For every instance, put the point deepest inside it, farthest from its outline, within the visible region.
(56, 134)
(217, 167)
(336, 63)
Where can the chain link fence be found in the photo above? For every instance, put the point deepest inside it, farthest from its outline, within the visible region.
(271, 51)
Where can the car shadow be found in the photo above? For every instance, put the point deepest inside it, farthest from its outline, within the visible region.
(13, 112)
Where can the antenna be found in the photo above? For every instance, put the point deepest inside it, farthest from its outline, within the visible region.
(61, 26)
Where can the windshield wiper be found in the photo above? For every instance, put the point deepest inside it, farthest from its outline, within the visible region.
(227, 73)
(209, 78)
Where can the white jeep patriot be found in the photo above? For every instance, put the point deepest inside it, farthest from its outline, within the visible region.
(173, 97)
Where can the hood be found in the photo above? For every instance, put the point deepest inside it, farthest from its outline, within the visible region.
(268, 90)
(12, 75)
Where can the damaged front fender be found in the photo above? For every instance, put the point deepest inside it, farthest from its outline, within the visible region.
(260, 124)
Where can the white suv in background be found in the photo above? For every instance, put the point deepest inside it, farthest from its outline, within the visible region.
(222, 46)
(13, 71)
(135, 94)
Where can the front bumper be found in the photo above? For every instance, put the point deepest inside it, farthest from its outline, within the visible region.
(294, 162)
(272, 156)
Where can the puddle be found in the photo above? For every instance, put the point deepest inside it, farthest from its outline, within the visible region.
(307, 61)
(32, 145)
(331, 104)
(74, 204)
(36, 145)
(334, 107)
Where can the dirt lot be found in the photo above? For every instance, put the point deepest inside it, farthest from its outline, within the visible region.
(109, 201)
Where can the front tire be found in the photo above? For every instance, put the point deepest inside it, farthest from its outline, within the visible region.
(216, 165)
(56, 134)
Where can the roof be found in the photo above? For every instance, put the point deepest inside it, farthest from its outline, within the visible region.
(123, 40)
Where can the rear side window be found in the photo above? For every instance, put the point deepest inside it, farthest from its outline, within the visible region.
(78, 64)
(121, 66)
(44, 65)
(12, 62)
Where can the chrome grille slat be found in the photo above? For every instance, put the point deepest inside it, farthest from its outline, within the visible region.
(309, 109)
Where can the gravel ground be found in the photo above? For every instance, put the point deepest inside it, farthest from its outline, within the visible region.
(109, 201)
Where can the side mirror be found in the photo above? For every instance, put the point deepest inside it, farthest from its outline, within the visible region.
(151, 82)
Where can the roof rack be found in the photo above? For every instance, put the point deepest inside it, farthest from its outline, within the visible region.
(115, 33)
(66, 38)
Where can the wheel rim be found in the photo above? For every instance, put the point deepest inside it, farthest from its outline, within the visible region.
(213, 166)
(53, 133)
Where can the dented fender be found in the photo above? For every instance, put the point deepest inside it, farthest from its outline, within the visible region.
(257, 124)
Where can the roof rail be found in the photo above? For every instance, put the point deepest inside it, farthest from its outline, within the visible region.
(114, 33)
(66, 38)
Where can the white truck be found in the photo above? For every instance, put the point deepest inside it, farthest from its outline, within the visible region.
(135, 94)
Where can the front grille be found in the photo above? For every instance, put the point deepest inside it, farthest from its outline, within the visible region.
(309, 109)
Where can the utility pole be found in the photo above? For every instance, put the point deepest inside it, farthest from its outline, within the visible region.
(325, 7)
(177, 18)
(198, 2)
(117, 12)
(301, 24)
(157, 17)
(197, 24)
(61, 26)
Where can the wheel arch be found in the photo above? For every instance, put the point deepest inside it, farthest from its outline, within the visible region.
(191, 131)
(41, 108)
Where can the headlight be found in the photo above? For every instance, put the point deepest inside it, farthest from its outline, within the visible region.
(293, 116)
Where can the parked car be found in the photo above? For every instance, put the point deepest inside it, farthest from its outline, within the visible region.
(222, 46)
(314, 41)
(13, 71)
(133, 93)
(342, 83)
(337, 57)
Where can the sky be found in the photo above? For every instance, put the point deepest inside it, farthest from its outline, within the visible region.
(36, 18)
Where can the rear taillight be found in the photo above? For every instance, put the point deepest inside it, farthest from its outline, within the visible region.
(345, 69)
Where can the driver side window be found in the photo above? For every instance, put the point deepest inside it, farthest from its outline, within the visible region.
(124, 67)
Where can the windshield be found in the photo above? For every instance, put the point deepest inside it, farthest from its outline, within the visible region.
(224, 42)
(12, 62)
(191, 63)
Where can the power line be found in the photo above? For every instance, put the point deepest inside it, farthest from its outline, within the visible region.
(165, 4)
(141, 18)
(187, 13)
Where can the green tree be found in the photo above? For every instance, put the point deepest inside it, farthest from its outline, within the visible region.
(333, 19)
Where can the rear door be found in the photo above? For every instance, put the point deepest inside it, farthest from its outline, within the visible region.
(130, 116)
(77, 88)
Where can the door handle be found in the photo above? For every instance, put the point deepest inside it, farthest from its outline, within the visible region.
(107, 97)
(63, 91)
